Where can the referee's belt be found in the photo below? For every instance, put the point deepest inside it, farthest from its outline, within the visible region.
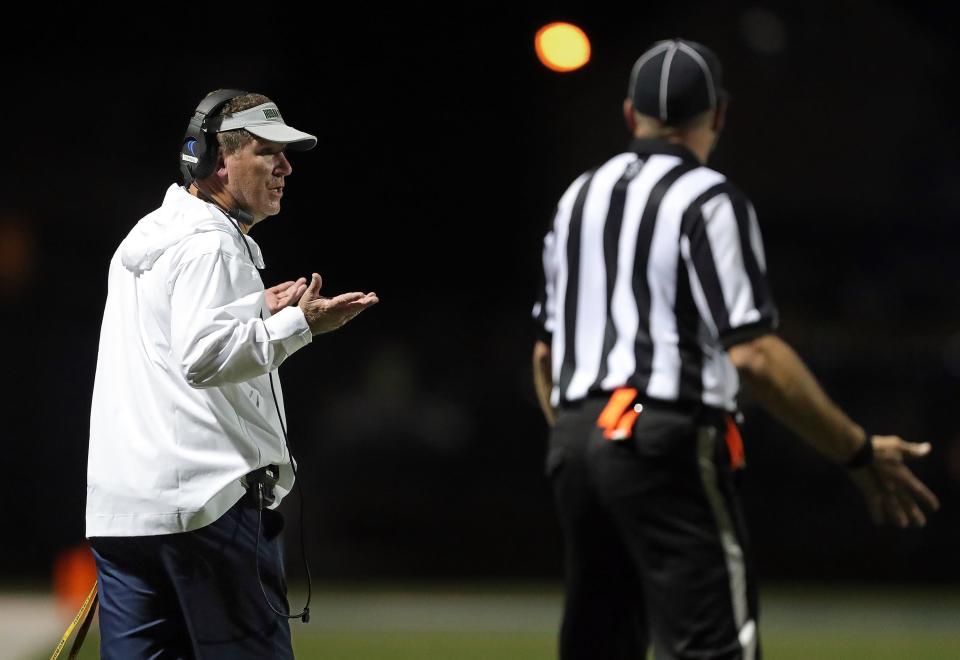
(260, 485)
(625, 406)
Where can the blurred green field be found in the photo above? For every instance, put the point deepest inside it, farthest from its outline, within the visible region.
(517, 646)
(519, 623)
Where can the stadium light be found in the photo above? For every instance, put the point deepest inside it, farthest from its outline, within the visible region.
(562, 46)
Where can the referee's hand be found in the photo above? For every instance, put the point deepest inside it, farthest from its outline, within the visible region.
(326, 314)
(893, 493)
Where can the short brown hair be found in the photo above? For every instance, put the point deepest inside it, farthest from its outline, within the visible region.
(234, 141)
(655, 128)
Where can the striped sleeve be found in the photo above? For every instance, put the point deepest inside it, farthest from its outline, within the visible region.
(723, 248)
(545, 308)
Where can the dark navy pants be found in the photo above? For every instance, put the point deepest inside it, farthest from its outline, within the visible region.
(195, 595)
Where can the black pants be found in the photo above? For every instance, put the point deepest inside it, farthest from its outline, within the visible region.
(656, 549)
(195, 595)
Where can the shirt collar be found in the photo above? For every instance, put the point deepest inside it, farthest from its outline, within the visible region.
(650, 146)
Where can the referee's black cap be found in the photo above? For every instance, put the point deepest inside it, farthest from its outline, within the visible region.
(675, 80)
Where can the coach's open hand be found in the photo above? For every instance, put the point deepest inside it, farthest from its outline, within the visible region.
(288, 293)
(326, 314)
(892, 492)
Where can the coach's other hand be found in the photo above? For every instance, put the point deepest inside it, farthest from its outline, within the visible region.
(282, 295)
(892, 491)
(326, 314)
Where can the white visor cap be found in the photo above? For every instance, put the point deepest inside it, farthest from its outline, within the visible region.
(265, 122)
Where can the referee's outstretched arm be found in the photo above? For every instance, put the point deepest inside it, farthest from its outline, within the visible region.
(779, 380)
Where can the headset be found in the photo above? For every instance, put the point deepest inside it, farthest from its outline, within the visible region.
(198, 159)
(198, 151)
(199, 148)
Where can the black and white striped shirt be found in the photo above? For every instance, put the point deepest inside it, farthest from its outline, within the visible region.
(654, 266)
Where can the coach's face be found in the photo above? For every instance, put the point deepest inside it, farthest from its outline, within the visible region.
(255, 177)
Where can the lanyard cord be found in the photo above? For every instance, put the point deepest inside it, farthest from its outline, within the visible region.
(304, 614)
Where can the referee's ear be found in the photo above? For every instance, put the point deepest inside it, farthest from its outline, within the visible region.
(719, 118)
(628, 116)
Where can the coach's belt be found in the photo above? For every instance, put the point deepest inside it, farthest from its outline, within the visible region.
(260, 485)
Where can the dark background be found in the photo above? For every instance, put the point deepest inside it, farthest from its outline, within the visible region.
(444, 145)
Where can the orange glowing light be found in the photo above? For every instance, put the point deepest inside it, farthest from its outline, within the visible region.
(74, 572)
(562, 46)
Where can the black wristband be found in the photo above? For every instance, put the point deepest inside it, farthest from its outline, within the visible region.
(863, 456)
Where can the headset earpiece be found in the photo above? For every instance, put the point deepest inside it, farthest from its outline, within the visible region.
(199, 148)
(206, 161)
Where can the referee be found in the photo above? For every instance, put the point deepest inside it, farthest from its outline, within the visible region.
(655, 305)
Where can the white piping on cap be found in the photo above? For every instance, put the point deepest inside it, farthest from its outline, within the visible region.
(711, 89)
(665, 80)
(653, 52)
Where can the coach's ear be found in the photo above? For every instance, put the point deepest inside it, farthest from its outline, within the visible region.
(628, 117)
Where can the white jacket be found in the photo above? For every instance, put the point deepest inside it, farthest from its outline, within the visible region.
(182, 404)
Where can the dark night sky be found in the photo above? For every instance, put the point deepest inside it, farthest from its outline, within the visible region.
(444, 146)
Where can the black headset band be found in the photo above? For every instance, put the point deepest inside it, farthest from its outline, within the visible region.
(213, 101)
